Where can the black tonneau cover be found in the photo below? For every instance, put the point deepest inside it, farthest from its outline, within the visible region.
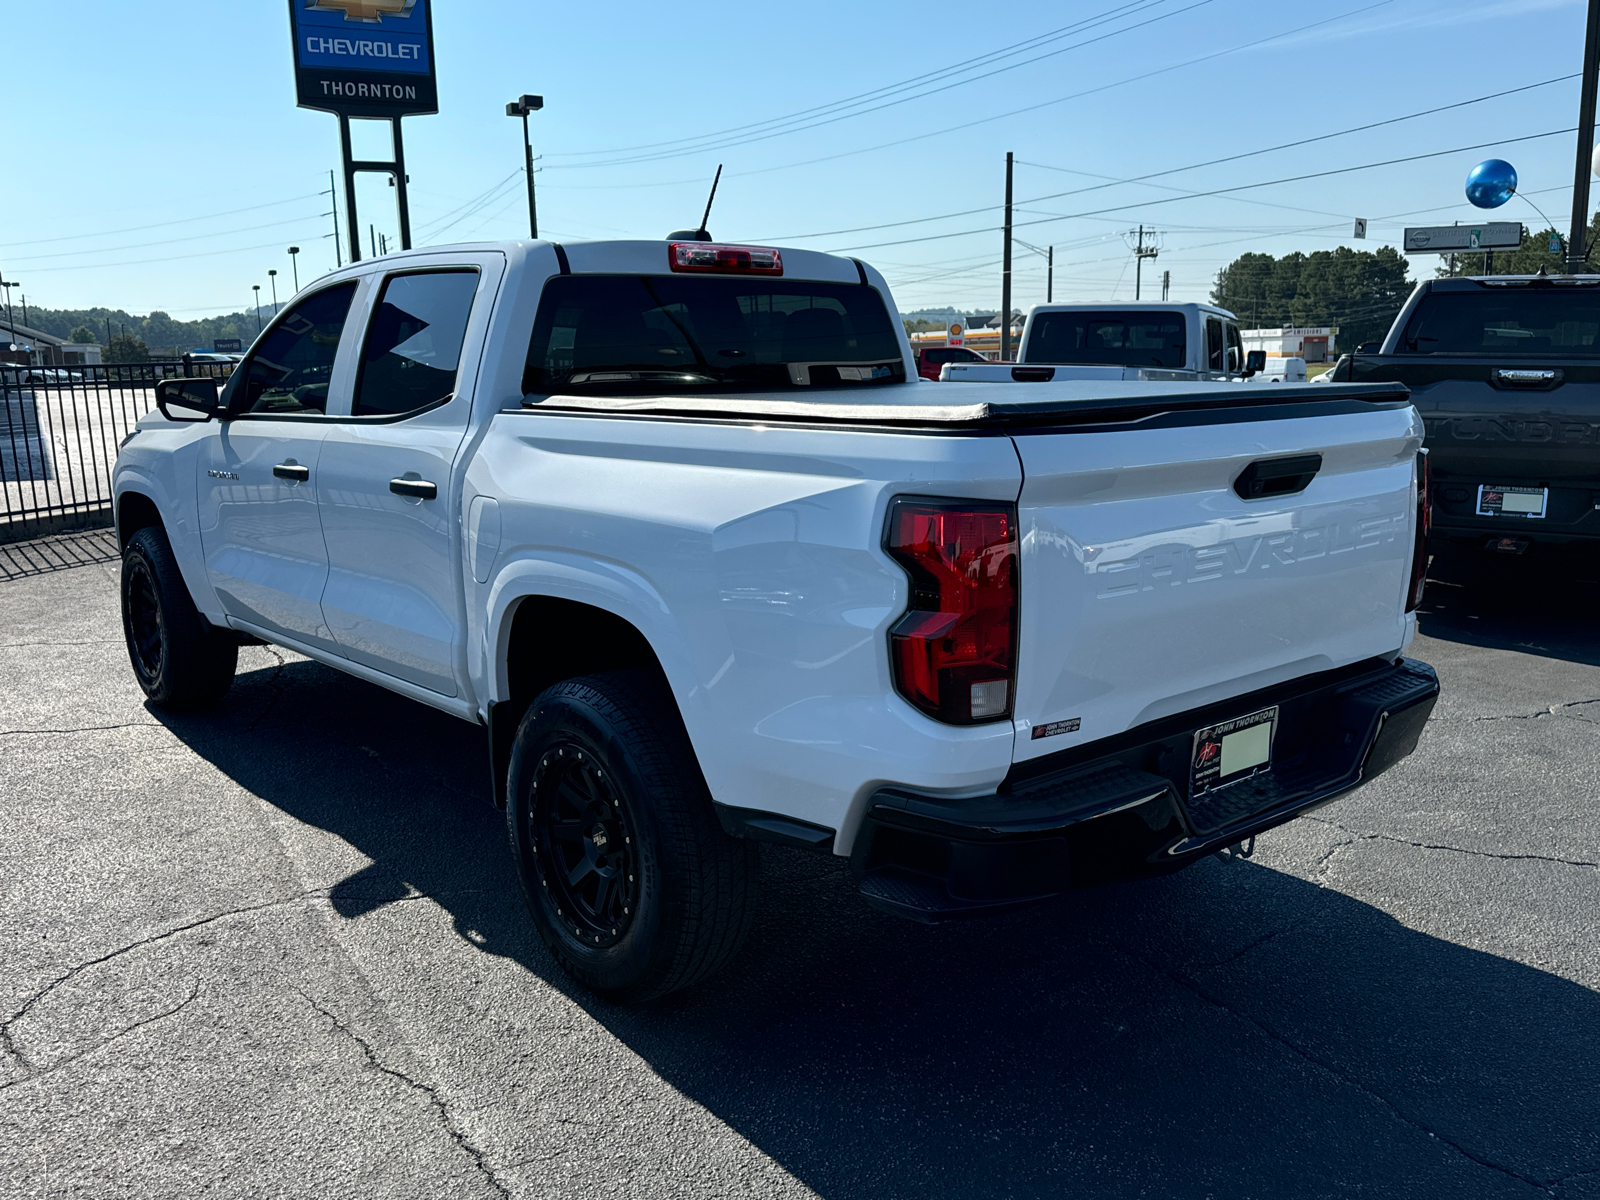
(1008, 405)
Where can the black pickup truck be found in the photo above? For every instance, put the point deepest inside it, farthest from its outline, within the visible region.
(1505, 371)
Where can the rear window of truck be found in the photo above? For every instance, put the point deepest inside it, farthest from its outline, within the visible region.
(620, 334)
(1512, 322)
(1108, 339)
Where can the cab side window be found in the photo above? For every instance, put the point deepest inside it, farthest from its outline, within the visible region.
(288, 373)
(414, 343)
(1216, 360)
(1235, 350)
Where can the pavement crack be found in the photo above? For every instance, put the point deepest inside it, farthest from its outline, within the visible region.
(446, 1118)
(1260, 941)
(1356, 836)
(6, 1040)
(273, 684)
(32, 1074)
(86, 642)
(83, 729)
(1184, 980)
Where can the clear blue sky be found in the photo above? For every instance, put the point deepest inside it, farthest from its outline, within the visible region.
(133, 133)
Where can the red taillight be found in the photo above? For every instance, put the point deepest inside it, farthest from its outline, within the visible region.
(1419, 553)
(706, 256)
(954, 652)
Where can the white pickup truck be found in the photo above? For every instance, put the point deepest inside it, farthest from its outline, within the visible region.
(1120, 342)
(675, 523)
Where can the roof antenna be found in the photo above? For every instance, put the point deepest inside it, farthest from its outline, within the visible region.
(700, 234)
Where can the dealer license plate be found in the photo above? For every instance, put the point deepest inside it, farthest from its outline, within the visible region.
(1512, 501)
(1232, 751)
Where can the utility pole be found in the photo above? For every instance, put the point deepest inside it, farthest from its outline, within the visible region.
(1005, 273)
(1141, 252)
(257, 289)
(1166, 285)
(25, 320)
(333, 203)
(1577, 250)
(373, 234)
(1050, 275)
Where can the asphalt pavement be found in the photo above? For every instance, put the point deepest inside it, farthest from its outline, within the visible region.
(278, 951)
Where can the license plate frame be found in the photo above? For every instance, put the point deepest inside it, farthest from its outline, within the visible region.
(1236, 739)
(1506, 500)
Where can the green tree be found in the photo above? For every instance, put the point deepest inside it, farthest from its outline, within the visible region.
(1360, 291)
(125, 348)
(83, 335)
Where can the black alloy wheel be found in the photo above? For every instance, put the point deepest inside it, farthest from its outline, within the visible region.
(179, 658)
(629, 877)
(583, 845)
(146, 638)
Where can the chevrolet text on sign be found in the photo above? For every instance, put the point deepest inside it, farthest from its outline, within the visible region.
(367, 58)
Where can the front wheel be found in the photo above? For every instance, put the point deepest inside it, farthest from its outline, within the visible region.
(629, 877)
(179, 658)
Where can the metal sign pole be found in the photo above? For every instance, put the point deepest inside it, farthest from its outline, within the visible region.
(350, 190)
(400, 187)
(1577, 250)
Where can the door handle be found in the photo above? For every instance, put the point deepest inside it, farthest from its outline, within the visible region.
(291, 470)
(419, 489)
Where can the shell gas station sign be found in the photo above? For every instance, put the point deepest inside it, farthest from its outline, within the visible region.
(956, 335)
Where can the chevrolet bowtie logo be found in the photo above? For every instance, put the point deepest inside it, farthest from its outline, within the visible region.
(370, 11)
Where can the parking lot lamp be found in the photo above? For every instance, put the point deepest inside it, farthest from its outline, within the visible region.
(521, 107)
(256, 287)
(294, 264)
(11, 328)
(272, 278)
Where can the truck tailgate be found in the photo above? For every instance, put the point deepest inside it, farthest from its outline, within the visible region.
(1150, 587)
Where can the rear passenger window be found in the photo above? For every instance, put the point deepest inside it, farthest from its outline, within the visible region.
(414, 342)
(1215, 355)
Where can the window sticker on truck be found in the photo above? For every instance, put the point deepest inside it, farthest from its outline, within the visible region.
(1496, 501)
(1233, 750)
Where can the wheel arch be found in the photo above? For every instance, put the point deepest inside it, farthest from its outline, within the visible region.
(135, 511)
(545, 638)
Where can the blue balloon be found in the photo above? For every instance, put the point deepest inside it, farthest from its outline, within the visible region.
(1491, 183)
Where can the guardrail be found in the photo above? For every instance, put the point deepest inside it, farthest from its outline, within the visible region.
(60, 434)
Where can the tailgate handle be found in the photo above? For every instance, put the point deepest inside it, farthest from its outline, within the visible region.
(1033, 374)
(1511, 377)
(1268, 477)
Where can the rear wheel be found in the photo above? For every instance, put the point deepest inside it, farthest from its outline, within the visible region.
(629, 877)
(179, 658)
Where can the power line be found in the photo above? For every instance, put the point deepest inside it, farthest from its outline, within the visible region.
(917, 137)
(74, 237)
(831, 109)
(1219, 191)
(1174, 170)
(195, 237)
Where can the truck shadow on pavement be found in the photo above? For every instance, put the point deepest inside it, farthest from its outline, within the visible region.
(1537, 606)
(1231, 1031)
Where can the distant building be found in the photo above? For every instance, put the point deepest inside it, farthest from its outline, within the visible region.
(1313, 343)
(36, 349)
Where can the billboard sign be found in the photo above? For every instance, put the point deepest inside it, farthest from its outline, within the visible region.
(1453, 239)
(364, 58)
(226, 345)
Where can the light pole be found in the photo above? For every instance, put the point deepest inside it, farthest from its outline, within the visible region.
(11, 326)
(294, 264)
(256, 287)
(272, 278)
(521, 107)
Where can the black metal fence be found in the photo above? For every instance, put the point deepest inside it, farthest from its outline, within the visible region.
(60, 435)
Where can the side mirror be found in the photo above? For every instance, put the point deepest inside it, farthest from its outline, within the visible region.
(1255, 362)
(178, 397)
(1369, 347)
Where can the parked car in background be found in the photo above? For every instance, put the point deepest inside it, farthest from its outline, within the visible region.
(1505, 371)
(1154, 342)
(931, 359)
(675, 523)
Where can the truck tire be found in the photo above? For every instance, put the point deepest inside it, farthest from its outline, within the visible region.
(179, 658)
(631, 880)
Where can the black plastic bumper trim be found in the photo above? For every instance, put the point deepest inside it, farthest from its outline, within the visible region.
(1125, 813)
(759, 826)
